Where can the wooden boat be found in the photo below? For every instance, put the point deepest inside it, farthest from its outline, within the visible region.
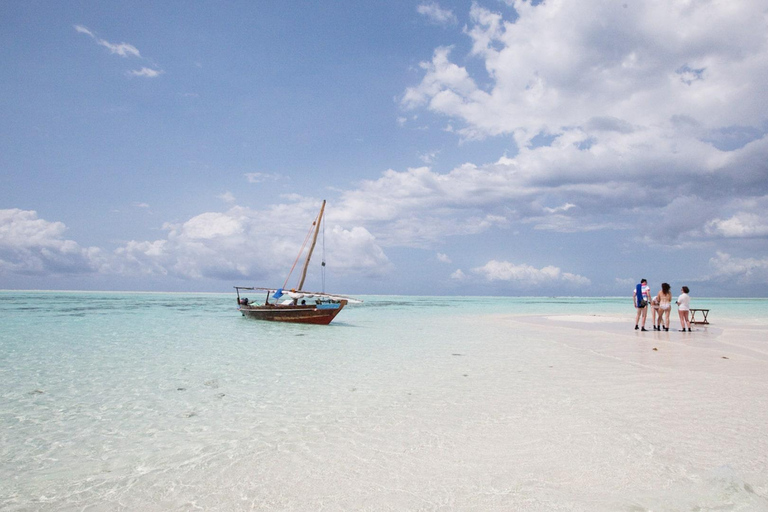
(321, 309)
(296, 305)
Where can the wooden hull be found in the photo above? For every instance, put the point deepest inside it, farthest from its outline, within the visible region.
(319, 314)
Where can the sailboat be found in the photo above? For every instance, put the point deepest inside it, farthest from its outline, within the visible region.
(296, 305)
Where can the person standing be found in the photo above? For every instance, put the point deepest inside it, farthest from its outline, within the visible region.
(665, 305)
(684, 308)
(641, 297)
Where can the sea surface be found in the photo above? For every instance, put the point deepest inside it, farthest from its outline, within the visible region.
(154, 401)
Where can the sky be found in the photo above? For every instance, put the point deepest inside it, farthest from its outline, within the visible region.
(511, 148)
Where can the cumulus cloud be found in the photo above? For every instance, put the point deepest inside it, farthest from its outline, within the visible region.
(527, 276)
(436, 14)
(642, 117)
(560, 65)
(236, 244)
(443, 258)
(744, 218)
(617, 110)
(744, 271)
(30, 245)
(418, 207)
(245, 243)
(740, 225)
(691, 219)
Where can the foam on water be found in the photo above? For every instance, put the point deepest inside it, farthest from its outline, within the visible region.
(165, 401)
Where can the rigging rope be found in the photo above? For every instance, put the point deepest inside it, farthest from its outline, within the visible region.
(306, 239)
(322, 265)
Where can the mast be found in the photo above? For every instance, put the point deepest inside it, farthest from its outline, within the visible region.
(311, 247)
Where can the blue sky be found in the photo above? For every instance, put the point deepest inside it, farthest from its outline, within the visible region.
(489, 147)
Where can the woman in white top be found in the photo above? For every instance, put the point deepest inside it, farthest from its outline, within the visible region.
(684, 308)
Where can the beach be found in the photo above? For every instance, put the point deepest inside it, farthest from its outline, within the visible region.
(161, 402)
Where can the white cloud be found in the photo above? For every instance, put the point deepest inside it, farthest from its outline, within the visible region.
(356, 250)
(651, 113)
(209, 226)
(436, 14)
(429, 157)
(244, 243)
(458, 275)
(693, 220)
(419, 207)
(559, 209)
(81, 29)
(527, 276)
(561, 64)
(745, 271)
(444, 83)
(146, 72)
(236, 244)
(23, 229)
(227, 197)
(258, 177)
(30, 245)
(443, 258)
(122, 49)
(740, 225)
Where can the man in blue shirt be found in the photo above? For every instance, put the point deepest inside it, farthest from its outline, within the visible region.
(642, 298)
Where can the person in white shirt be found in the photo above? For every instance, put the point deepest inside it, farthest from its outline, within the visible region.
(684, 309)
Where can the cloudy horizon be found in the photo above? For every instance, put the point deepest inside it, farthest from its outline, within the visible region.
(477, 148)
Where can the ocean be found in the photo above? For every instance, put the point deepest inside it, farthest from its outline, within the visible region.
(155, 401)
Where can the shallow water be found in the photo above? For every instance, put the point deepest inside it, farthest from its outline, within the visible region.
(128, 401)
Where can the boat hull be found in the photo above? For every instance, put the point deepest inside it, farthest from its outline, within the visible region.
(318, 314)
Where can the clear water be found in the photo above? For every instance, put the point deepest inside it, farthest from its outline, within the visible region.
(129, 401)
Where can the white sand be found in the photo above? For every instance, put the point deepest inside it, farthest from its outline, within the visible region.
(587, 319)
(575, 413)
(584, 413)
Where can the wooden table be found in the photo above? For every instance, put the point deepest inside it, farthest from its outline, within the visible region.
(704, 313)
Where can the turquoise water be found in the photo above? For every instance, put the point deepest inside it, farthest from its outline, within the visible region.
(151, 401)
(747, 308)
